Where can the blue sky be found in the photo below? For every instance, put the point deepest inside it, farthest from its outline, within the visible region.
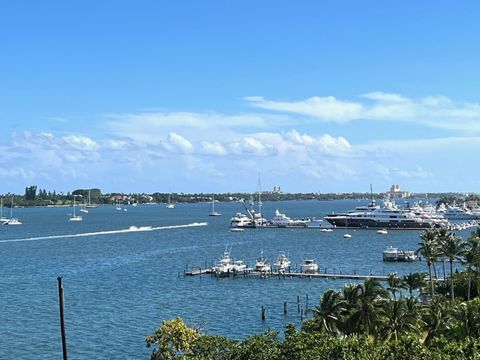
(192, 96)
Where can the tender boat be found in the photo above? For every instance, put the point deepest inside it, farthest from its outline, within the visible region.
(382, 231)
(309, 266)
(347, 236)
(237, 229)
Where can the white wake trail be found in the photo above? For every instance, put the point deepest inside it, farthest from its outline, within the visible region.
(131, 229)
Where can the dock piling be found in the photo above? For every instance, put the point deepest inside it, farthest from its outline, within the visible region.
(285, 309)
(62, 318)
(263, 313)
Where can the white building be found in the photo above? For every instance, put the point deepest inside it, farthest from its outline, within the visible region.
(396, 193)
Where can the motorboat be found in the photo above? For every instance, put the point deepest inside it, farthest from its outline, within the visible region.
(239, 267)
(262, 265)
(282, 264)
(326, 230)
(309, 266)
(393, 254)
(224, 266)
(347, 236)
(382, 231)
(237, 229)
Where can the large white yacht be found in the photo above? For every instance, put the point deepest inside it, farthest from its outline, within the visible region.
(456, 213)
(282, 220)
(387, 217)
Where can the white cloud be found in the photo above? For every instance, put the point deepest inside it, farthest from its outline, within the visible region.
(213, 148)
(325, 108)
(79, 142)
(178, 143)
(432, 111)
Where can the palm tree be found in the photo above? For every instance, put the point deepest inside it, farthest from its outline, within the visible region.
(472, 256)
(435, 318)
(442, 235)
(399, 317)
(428, 251)
(327, 314)
(395, 284)
(370, 298)
(414, 281)
(453, 247)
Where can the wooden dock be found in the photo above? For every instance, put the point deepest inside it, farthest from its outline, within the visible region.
(284, 275)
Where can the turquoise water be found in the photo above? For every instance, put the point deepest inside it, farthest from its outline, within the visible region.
(119, 287)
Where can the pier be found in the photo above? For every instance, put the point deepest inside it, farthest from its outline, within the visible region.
(272, 274)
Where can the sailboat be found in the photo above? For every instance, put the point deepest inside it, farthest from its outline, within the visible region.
(214, 213)
(3, 219)
(74, 216)
(346, 235)
(84, 208)
(170, 205)
(89, 205)
(118, 206)
(12, 220)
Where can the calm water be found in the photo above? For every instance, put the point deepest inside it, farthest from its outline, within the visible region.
(119, 287)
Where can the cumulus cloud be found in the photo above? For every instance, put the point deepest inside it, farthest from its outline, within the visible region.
(177, 143)
(213, 148)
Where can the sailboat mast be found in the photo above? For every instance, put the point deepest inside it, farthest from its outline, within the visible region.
(11, 209)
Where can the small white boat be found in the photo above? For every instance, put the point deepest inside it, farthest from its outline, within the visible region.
(3, 219)
(262, 265)
(214, 213)
(170, 205)
(347, 236)
(309, 266)
(326, 230)
(282, 264)
(239, 267)
(382, 231)
(224, 267)
(237, 229)
(11, 220)
(84, 210)
(74, 216)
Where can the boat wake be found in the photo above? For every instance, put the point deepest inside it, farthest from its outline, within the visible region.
(109, 232)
